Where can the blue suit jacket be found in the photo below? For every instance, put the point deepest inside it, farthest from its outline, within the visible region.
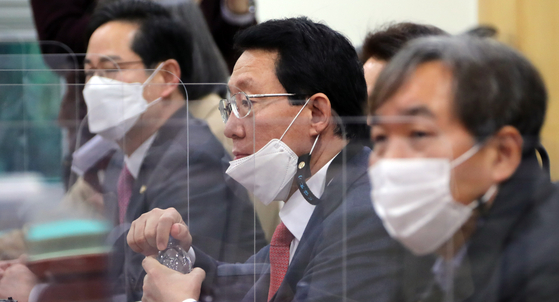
(344, 252)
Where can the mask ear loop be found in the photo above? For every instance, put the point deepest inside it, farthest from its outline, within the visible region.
(296, 116)
(158, 69)
(481, 203)
(465, 156)
(314, 144)
(157, 100)
(303, 166)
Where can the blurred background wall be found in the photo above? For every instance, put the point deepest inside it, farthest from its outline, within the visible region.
(355, 18)
(30, 139)
(532, 26)
(16, 21)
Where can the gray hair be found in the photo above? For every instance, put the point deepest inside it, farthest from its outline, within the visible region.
(493, 85)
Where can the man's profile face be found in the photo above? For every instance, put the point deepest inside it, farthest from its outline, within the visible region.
(419, 121)
(255, 73)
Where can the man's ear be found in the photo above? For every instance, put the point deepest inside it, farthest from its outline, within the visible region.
(508, 146)
(171, 73)
(321, 113)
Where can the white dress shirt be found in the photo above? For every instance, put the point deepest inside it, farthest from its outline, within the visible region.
(296, 212)
(443, 270)
(135, 160)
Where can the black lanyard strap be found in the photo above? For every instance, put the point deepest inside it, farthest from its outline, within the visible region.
(303, 172)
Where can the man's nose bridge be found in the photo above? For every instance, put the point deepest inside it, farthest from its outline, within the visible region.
(233, 127)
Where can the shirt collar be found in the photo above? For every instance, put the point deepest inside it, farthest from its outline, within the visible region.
(296, 212)
(442, 269)
(134, 161)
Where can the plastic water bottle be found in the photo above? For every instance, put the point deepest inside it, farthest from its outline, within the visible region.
(175, 257)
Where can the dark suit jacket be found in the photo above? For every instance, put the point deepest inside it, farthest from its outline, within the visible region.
(344, 252)
(513, 255)
(183, 169)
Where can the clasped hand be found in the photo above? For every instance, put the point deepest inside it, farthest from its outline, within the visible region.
(148, 235)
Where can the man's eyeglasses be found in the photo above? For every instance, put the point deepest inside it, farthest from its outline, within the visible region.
(109, 69)
(240, 104)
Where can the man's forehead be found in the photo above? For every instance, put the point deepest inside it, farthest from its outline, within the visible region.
(254, 68)
(111, 41)
(426, 93)
(254, 58)
(412, 115)
(242, 81)
(372, 69)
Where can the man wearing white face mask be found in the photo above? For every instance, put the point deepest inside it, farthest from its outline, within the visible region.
(454, 174)
(136, 55)
(297, 95)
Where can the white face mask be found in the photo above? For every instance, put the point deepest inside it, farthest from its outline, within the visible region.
(412, 196)
(269, 172)
(113, 107)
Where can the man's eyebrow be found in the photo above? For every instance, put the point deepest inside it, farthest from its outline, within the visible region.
(418, 111)
(404, 115)
(104, 59)
(110, 58)
(244, 82)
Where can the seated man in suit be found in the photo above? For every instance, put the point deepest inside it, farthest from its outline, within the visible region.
(293, 124)
(135, 57)
(455, 176)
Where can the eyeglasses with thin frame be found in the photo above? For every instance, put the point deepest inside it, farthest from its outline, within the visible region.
(240, 104)
(109, 73)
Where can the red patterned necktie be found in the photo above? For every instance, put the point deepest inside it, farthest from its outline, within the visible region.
(124, 191)
(279, 257)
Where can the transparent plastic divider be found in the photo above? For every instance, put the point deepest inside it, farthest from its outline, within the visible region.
(188, 151)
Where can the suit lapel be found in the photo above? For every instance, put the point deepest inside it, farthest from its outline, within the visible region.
(164, 138)
(161, 144)
(345, 169)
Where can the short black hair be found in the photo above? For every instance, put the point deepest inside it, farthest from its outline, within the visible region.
(313, 58)
(386, 41)
(159, 36)
(494, 85)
